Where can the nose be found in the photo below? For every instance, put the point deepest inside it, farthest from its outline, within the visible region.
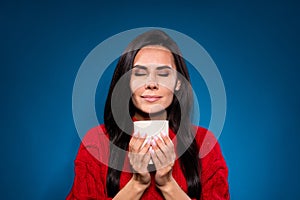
(151, 83)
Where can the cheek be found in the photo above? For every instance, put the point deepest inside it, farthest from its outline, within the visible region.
(136, 94)
(137, 91)
(169, 95)
(136, 84)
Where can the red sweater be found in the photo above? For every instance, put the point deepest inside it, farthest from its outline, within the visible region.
(90, 170)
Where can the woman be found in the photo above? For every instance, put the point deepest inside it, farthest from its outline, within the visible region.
(154, 75)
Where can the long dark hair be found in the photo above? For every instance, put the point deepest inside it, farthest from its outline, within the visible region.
(179, 118)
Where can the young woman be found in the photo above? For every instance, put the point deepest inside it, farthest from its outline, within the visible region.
(113, 163)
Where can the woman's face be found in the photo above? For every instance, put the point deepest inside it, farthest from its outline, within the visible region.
(153, 79)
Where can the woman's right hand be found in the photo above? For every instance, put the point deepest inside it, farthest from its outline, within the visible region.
(139, 157)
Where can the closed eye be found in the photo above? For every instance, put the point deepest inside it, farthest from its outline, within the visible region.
(139, 74)
(139, 70)
(163, 74)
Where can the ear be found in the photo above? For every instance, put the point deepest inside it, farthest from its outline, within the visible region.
(178, 84)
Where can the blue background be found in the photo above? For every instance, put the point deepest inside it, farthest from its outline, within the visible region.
(255, 46)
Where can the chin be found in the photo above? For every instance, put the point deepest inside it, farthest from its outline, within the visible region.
(152, 111)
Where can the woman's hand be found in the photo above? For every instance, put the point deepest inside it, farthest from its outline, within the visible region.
(163, 156)
(139, 157)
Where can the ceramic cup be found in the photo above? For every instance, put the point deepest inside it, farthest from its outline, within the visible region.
(151, 128)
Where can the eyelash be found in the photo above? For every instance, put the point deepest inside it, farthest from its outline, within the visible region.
(164, 74)
(139, 74)
(160, 74)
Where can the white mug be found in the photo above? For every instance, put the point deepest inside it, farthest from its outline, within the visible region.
(151, 128)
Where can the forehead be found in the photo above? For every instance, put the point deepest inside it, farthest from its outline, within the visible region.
(154, 56)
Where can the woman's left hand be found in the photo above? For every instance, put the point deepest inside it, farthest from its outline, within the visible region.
(163, 156)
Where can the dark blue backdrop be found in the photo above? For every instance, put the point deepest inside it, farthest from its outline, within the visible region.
(254, 44)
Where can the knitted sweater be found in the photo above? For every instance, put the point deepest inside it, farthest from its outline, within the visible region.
(93, 155)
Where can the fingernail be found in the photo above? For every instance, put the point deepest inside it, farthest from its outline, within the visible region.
(148, 141)
(164, 133)
(145, 142)
(153, 143)
(155, 138)
(143, 135)
(151, 150)
(135, 134)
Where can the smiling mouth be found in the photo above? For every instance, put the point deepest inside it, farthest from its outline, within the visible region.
(151, 98)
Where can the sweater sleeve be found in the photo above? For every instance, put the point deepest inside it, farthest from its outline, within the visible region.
(214, 171)
(89, 181)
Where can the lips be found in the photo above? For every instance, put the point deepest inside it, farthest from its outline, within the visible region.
(151, 98)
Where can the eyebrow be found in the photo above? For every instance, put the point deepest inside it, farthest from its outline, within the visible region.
(139, 66)
(158, 68)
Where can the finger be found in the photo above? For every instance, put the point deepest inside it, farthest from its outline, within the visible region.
(154, 158)
(164, 149)
(136, 162)
(166, 138)
(168, 142)
(157, 152)
(146, 159)
(137, 156)
(140, 141)
(146, 147)
(167, 150)
(133, 140)
(140, 162)
(160, 143)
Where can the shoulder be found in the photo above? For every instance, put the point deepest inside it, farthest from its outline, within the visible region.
(206, 141)
(214, 170)
(95, 144)
(95, 135)
(210, 154)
